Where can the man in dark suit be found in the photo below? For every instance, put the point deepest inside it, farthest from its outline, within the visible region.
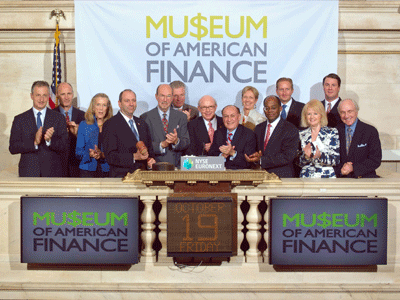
(168, 128)
(331, 84)
(202, 129)
(291, 109)
(234, 141)
(40, 136)
(121, 133)
(277, 141)
(73, 117)
(178, 101)
(360, 146)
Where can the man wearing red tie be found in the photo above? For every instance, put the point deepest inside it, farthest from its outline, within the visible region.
(202, 129)
(277, 141)
(234, 141)
(331, 84)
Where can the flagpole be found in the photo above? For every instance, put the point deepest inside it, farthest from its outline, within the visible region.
(56, 74)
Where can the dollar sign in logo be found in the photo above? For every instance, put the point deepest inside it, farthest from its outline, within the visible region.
(74, 217)
(323, 217)
(202, 31)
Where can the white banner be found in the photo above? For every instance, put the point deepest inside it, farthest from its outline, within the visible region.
(215, 47)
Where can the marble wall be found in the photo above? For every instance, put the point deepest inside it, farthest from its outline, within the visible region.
(368, 60)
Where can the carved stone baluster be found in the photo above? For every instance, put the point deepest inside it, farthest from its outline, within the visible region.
(253, 235)
(148, 235)
(266, 233)
(240, 235)
(162, 217)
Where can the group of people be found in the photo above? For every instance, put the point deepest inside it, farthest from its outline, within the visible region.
(321, 139)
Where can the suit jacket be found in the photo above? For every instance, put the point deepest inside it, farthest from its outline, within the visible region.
(244, 141)
(46, 160)
(119, 144)
(294, 115)
(70, 163)
(281, 149)
(333, 117)
(198, 133)
(177, 120)
(194, 112)
(365, 151)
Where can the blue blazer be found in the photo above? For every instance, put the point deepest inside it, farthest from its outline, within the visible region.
(88, 137)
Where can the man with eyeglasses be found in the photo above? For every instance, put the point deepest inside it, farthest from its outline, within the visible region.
(360, 146)
(178, 100)
(202, 129)
(277, 141)
(168, 128)
(234, 140)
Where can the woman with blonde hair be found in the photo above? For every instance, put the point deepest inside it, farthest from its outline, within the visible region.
(90, 138)
(250, 117)
(319, 143)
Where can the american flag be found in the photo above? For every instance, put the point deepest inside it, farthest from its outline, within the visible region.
(56, 76)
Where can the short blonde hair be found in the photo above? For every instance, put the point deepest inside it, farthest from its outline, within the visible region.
(251, 88)
(317, 106)
(89, 115)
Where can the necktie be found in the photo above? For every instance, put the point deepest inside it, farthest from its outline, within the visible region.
(283, 114)
(267, 136)
(38, 120)
(165, 123)
(67, 117)
(329, 108)
(134, 130)
(229, 141)
(210, 132)
(348, 140)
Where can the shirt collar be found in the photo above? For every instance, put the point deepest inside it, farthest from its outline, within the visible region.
(288, 103)
(161, 113)
(43, 111)
(352, 126)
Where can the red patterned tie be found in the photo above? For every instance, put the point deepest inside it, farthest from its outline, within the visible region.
(267, 137)
(67, 117)
(329, 108)
(210, 132)
(165, 123)
(229, 141)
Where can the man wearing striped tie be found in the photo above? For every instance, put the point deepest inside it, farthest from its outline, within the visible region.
(120, 136)
(234, 140)
(360, 146)
(331, 84)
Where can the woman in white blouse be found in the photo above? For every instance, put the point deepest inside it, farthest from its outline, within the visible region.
(250, 117)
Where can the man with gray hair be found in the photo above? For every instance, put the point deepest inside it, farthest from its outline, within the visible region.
(178, 100)
(360, 147)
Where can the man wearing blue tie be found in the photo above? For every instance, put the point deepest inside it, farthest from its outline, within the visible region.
(291, 109)
(40, 136)
(121, 133)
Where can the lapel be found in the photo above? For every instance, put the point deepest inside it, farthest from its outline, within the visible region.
(202, 130)
(140, 128)
(238, 135)
(47, 120)
(32, 121)
(261, 137)
(276, 133)
(173, 120)
(220, 123)
(125, 129)
(357, 135)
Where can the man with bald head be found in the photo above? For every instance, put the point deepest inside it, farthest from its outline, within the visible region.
(233, 141)
(202, 129)
(277, 141)
(168, 128)
(73, 116)
(360, 146)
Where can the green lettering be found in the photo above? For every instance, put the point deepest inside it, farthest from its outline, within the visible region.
(294, 218)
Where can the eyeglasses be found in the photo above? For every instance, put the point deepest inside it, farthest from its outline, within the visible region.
(207, 107)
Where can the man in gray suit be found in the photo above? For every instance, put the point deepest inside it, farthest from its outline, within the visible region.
(178, 100)
(168, 128)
